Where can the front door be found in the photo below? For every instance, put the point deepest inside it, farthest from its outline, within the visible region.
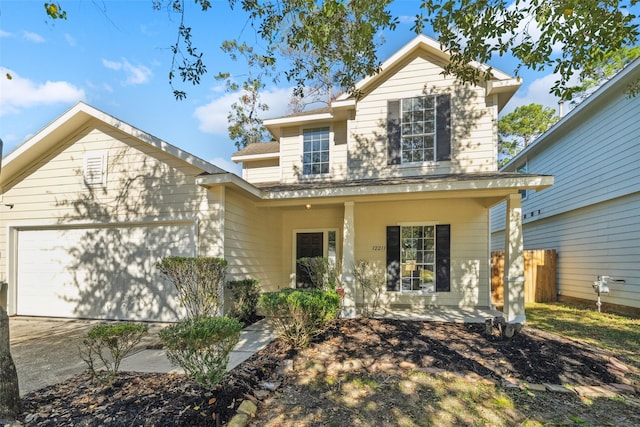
(308, 245)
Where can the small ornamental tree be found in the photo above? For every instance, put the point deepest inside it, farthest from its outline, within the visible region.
(199, 282)
(109, 344)
(201, 346)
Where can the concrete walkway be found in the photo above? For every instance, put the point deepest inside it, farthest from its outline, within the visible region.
(253, 338)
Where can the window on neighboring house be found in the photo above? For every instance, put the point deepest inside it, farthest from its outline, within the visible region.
(522, 169)
(419, 129)
(418, 258)
(95, 169)
(315, 151)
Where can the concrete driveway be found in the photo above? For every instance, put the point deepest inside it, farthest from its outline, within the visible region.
(46, 350)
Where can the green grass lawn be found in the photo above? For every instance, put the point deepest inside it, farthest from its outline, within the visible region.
(616, 333)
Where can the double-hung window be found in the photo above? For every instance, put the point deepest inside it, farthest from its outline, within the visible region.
(419, 130)
(315, 151)
(418, 258)
(418, 127)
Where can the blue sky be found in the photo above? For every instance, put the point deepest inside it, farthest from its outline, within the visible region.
(115, 56)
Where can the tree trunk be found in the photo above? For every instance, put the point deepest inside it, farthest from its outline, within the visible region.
(9, 392)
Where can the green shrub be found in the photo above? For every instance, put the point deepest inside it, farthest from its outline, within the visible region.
(110, 343)
(299, 314)
(246, 295)
(199, 282)
(322, 272)
(201, 346)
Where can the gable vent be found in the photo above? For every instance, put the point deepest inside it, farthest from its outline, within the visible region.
(94, 171)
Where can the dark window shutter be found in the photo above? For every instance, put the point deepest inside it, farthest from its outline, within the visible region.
(393, 133)
(443, 256)
(393, 258)
(443, 127)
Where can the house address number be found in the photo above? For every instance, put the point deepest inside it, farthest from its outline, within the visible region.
(378, 247)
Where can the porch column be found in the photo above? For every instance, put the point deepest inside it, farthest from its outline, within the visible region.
(348, 262)
(513, 262)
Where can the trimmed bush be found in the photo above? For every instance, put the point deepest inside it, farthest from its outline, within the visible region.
(246, 295)
(201, 346)
(198, 280)
(109, 344)
(300, 314)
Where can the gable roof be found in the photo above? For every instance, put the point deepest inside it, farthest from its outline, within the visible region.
(69, 122)
(502, 84)
(617, 84)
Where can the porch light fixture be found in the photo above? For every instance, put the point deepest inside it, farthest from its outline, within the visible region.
(308, 206)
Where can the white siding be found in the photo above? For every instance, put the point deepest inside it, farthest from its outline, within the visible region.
(469, 242)
(261, 171)
(473, 137)
(144, 186)
(251, 241)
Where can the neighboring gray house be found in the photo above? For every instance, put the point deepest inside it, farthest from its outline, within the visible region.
(591, 215)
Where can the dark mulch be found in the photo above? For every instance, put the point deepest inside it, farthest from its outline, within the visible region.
(170, 399)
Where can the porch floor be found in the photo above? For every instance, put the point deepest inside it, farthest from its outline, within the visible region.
(440, 314)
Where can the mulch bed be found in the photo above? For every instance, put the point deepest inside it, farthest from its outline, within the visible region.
(172, 399)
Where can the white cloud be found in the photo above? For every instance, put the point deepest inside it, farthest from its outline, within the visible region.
(135, 74)
(18, 92)
(34, 37)
(538, 92)
(4, 33)
(212, 117)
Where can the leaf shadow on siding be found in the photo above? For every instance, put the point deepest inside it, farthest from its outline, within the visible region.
(369, 158)
(145, 212)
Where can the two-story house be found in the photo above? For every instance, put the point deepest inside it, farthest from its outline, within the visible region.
(401, 176)
(590, 216)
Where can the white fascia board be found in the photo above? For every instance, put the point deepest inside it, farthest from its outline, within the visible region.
(343, 103)
(250, 157)
(501, 86)
(508, 184)
(431, 44)
(81, 113)
(228, 179)
(298, 119)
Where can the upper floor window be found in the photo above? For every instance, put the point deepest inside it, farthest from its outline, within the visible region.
(315, 151)
(418, 126)
(419, 129)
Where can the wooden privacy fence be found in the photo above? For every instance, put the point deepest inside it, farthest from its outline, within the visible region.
(539, 276)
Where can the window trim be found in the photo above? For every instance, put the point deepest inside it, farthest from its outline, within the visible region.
(312, 176)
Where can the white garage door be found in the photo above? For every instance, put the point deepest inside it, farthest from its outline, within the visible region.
(100, 273)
